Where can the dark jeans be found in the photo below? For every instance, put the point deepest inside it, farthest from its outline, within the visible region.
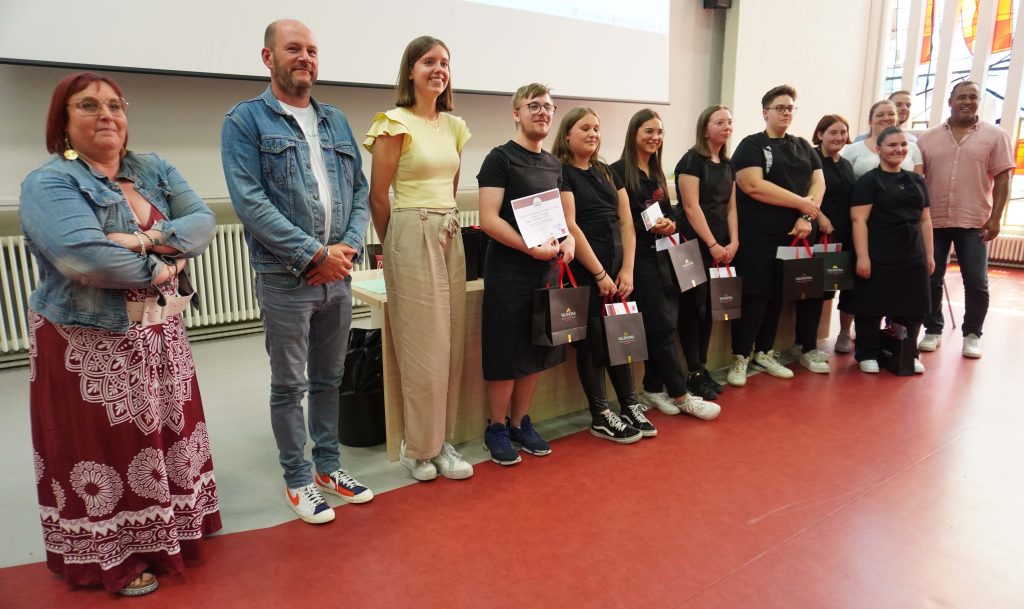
(808, 318)
(694, 325)
(972, 255)
(757, 325)
(592, 380)
(869, 333)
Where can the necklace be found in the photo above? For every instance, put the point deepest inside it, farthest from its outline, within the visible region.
(434, 124)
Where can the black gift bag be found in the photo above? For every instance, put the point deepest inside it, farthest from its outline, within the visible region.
(681, 265)
(802, 274)
(560, 313)
(897, 350)
(472, 244)
(618, 338)
(361, 408)
(726, 294)
(839, 266)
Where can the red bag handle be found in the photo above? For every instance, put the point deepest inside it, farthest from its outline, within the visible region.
(672, 238)
(728, 269)
(563, 270)
(823, 238)
(807, 245)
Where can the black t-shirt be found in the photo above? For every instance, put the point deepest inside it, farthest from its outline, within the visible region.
(716, 182)
(894, 226)
(520, 172)
(649, 193)
(788, 162)
(597, 199)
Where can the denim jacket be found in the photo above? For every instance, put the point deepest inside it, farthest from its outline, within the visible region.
(273, 189)
(66, 211)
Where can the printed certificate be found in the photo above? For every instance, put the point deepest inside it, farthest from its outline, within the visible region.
(540, 217)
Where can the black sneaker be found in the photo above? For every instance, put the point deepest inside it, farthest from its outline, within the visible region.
(497, 443)
(633, 415)
(609, 426)
(697, 384)
(527, 438)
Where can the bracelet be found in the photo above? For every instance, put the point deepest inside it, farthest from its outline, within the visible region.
(806, 217)
(713, 245)
(322, 259)
(601, 275)
(152, 242)
(142, 244)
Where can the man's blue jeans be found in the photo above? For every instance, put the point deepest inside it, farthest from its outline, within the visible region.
(972, 256)
(306, 328)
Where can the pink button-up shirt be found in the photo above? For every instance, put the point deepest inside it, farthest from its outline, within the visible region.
(960, 176)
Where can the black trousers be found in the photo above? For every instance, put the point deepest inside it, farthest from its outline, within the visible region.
(664, 368)
(758, 323)
(808, 318)
(592, 380)
(694, 327)
(869, 333)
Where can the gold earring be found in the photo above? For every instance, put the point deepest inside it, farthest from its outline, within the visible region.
(69, 152)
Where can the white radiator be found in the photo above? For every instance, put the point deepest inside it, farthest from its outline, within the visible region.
(222, 276)
(1008, 250)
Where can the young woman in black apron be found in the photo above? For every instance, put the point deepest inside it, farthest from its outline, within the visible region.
(780, 186)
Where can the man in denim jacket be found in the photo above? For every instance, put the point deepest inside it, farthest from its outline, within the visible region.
(296, 182)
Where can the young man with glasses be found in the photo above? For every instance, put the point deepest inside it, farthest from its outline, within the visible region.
(511, 362)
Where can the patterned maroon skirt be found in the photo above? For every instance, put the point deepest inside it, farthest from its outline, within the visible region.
(122, 455)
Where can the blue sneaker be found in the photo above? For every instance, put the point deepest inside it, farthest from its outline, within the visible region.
(497, 443)
(527, 437)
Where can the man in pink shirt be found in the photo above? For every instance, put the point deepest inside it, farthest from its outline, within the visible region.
(967, 167)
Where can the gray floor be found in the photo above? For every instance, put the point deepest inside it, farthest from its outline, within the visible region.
(234, 380)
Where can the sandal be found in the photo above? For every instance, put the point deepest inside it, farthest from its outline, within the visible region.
(142, 588)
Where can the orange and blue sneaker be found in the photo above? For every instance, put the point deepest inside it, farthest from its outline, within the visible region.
(341, 484)
(309, 504)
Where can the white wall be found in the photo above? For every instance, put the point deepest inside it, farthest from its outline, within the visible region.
(818, 46)
(180, 117)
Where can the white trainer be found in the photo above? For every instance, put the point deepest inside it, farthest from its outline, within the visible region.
(309, 504)
(972, 346)
(869, 365)
(930, 342)
(815, 360)
(918, 366)
(451, 465)
(737, 376)
(696, 406)
(765, 360)
(844, 343)
(659, 400)
(421, 469)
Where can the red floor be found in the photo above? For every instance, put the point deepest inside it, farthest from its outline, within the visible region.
(824, 492)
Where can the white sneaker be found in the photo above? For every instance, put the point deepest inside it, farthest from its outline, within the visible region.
(844, 343)
(737, 376)
(765, 360)
(815, 360)
(422, 469)
(659, 400)
(695, 406)
(309, 504)
(972, 346)
(869, 365)
(918, 366)
(930, 342)
(451, 465)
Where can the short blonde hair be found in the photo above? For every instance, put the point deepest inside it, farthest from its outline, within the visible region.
(529, 91)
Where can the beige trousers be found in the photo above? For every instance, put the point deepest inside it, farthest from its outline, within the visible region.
(425, 271)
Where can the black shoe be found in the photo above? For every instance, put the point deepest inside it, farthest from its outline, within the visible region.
(713, 383)
(633, 414)
(609, 426)
(697, 384)
(527, 438)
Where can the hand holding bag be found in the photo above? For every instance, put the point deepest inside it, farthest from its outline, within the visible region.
(560, 313)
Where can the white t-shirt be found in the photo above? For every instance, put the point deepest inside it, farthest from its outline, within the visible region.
(863, 160)
(306, 118)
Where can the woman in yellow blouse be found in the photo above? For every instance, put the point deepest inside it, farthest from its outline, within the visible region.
(416, 151)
